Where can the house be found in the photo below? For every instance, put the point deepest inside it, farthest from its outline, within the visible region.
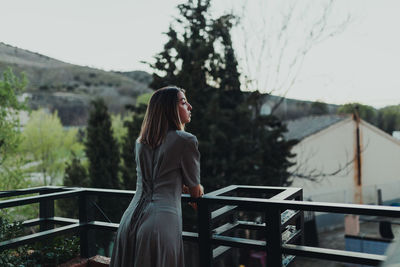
(341, 158)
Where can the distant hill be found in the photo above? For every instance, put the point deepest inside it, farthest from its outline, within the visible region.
(69, 88)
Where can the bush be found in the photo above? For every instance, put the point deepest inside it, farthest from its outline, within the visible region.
(47, 253)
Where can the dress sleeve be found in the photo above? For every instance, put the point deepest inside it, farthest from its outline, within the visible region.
(190, 163)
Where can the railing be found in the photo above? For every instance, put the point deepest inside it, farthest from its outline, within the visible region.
(281, 228)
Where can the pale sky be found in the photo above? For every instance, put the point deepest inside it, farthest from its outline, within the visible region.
(360, 64)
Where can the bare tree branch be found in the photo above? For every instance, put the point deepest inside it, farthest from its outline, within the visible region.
(275, 48)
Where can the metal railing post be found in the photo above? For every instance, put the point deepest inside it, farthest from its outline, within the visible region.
(46, 211)
(273, 237)
(87, 241)
(300, 221)
(235, 251)
(204, 226)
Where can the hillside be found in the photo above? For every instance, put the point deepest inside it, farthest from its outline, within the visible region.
(69, 88)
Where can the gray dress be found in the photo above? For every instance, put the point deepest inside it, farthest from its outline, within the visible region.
(150, 231)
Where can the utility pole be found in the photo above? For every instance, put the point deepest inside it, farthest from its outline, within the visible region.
(357, 159)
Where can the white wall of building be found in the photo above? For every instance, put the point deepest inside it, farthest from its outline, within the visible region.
(334, 147)
(381, 161)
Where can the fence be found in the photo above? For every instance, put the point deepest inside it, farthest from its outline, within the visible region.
(282, 225)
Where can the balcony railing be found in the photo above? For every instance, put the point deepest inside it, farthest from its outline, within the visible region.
(281, 228)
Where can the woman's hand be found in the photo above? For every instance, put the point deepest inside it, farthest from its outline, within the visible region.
(195, 192)
(185, 189)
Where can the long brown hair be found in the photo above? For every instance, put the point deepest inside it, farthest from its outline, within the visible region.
(162, 114)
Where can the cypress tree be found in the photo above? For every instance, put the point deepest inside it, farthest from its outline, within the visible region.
(103, 155)
(75, 175)
(101, 148)
(128, 164)
(237, 144)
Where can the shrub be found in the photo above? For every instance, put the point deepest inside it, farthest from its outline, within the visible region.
(47, 253)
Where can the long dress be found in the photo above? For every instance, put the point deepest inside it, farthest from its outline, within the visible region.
(150, 231)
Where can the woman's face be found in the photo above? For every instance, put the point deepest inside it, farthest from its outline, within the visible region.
(184, 108)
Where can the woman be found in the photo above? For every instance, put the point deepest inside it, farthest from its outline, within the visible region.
(167, 159)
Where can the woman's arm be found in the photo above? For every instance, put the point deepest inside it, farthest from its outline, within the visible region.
(190, 164)
(195, 192)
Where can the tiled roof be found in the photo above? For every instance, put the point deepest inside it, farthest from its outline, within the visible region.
(306, 126)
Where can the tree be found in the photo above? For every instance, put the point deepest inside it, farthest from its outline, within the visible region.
(128, 164)
(101, 148)
(389, 119)
(117, 125)
(143, 99)
(11, 173)
(48, 145)
(75, 175)
(103, 155)
(365, 112)
(277, 42)
(185, 59)
(10, 87)
(236, 142)
(319, 108)
(132, 127)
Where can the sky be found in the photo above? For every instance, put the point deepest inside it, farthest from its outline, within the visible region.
(359, 63)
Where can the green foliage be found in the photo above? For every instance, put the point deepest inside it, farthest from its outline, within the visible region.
(11, 174)
(128, 163)
(59, 250)
(117, 125)
(237, 144)
(49, 253)
(101, 148)
(389, 119)
(319, 108)
(365, 112)
(10, 87)
(48, 145)
(9, 230)
(75, 176)
(143, 99)
(14, 257)
(103, 155)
